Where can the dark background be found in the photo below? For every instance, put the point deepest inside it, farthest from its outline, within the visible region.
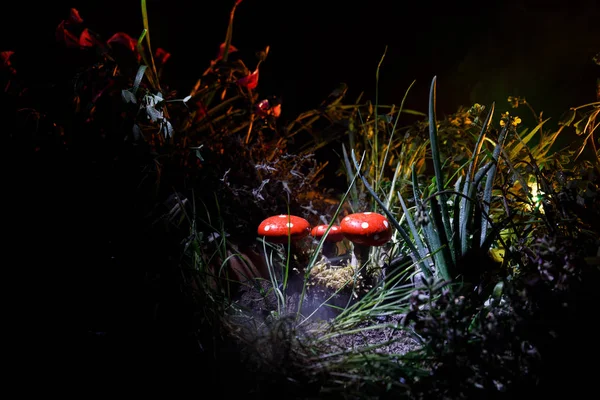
(480, 51)
(70, 282)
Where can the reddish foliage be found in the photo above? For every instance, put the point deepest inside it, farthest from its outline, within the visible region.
(249, 81)
(5, 58)
(232, 49)
(64, 30)
(123, 39)
(63, 35)
(86, 39)
(74, 17)
(161, 55)
(201, 112)
(266, 108)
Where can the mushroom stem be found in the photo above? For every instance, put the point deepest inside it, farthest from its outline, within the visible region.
(329, 249)
(360, 255)
(329, 246)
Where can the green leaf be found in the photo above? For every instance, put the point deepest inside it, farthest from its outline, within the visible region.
(470, 187)
(515, 151)
(229, 34)
(419, 243)
(445, 232)
(146, 33)
(567, 118)
(490, 177)
(579, 128)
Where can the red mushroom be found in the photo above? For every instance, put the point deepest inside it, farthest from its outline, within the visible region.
(276, 229)
(333, 236)
(335, 233)
(364, 230)
(367, 228)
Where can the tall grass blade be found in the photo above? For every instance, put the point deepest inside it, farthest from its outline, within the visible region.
(417, 238)
(445, 231)
(351, 177)
(489, 183)
(147, 30)
(469, 188)
(229, 34)
(523, 141)
(375, 147)
(389, 145)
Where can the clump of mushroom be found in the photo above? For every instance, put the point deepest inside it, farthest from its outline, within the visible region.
(364, 230)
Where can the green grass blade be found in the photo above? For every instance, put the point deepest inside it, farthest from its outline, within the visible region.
(469, 189)
(444, 260)
(147, 29)
(351, 177)
(417, 238)
(229, 34)
(389, 145)
(523, 141)
(489, 183)
(445, 232)
(390, 194)
(375, 147)
(432, 239)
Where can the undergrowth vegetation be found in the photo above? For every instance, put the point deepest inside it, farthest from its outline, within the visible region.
(488, 288)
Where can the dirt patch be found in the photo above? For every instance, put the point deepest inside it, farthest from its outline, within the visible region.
(320, 306)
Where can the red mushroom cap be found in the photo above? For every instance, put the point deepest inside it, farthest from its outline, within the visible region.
(335, 233)
(275, 229)
(367, 228)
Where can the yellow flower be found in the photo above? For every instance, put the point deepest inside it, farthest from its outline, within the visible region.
(476, 109)
(515, 101)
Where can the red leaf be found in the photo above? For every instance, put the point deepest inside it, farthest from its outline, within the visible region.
(161, 55)
(249, 81)
(222, 51)
(5, 62)
(276, 110)
(63, 35)
(5, 58)
(86, 39)
(74, 17)
(123, 39)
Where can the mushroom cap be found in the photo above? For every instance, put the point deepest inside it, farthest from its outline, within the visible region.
(275, 229)
(367, 228)
(335, 233)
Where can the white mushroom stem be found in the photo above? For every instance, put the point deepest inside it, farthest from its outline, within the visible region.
(360, 255)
